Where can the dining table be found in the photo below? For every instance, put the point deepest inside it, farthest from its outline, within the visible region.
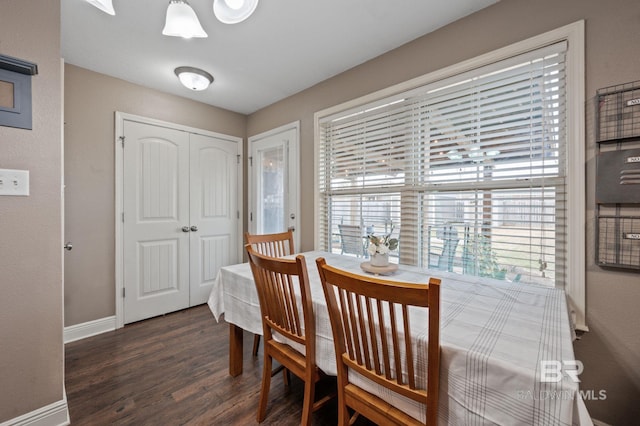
(506, 347)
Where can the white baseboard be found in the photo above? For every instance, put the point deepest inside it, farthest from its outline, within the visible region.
(56, 414)
(88, 329)
(599, 423)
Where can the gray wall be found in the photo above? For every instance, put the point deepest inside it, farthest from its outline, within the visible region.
(611, 350)
(30, 257)
(89, 137)
(31, 350)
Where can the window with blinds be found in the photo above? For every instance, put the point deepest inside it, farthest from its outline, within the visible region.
(468, 172)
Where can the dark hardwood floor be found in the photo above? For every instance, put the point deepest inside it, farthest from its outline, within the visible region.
(173, 370)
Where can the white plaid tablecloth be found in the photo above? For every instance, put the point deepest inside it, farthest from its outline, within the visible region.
(494, 336)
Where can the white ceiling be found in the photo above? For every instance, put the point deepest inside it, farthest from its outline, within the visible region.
(286, 46)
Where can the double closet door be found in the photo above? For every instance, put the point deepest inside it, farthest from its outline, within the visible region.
(180, 217)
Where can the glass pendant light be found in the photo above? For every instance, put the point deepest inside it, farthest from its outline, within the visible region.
(182, 21)
(104, 5)
(233, 11)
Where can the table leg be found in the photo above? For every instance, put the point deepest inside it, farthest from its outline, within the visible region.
(235, 350)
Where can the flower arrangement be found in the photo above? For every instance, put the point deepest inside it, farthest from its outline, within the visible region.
(381, 244)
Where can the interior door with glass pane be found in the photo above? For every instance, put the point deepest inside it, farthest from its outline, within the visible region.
(273, 192)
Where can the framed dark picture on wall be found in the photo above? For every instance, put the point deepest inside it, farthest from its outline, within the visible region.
(15, 92)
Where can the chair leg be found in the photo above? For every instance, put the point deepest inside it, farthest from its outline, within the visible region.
(307, 404)
(353, 418)
(264, 390)
(343, 415)
(256, 344)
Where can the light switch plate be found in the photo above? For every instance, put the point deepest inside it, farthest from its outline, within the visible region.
(14, 182)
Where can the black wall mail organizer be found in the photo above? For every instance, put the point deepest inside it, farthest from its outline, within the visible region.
(618, 113)
(619, 241)
(618, 176)
(15, 92)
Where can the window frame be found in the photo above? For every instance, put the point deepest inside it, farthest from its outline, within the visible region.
(573, 34)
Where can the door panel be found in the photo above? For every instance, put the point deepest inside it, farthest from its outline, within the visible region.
(158, 180)
(157, 268)
(214, 211)
(271, 199)
(274, 182)
(156, 199)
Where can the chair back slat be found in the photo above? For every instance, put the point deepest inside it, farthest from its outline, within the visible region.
(348, 331)
(373, 335)
(361, 334)
(395, 338)
(370, 318)
(383, 338)
(292, 308)
(408, 348)
(273, 245)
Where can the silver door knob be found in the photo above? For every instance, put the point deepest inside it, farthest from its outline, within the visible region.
(68, 246)
(194, 228)
(185, 229)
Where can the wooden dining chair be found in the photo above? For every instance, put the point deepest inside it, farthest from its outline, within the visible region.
(372, 336)
(287, 310)
(275, 245)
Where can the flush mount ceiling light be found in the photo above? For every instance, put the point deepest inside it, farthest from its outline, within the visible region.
(182, 21)
(194, 78)
(233, 11)
(104, 5)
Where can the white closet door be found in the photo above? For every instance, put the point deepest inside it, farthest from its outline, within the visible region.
(156, 206)
(213, 210)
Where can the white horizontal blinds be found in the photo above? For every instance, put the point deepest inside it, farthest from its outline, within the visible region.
(497, 164)
(367, 159)
(506, 120)
(371, 150)
(484, 151)
(516, 234)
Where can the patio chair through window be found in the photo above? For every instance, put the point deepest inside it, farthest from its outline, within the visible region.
(441, 255)
(352, 240)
